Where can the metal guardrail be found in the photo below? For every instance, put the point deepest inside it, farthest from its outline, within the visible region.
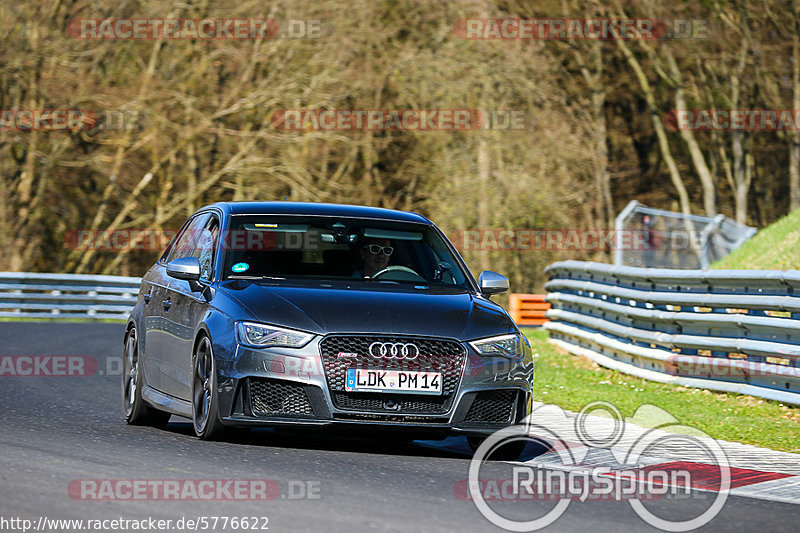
(34, 295)
(724, 330)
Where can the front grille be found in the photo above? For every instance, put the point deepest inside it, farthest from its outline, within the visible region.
(435, 355)
(275, 397)
(492, 406)
(398, 419)
(407, 403)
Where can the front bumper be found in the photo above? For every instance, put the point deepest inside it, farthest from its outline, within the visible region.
(282, 387)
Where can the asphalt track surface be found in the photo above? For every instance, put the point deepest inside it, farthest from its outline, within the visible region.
(54, 430)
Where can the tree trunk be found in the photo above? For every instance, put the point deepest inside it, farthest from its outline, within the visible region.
(663, 143)
(794, 137)
(483, 195)
(698, 159)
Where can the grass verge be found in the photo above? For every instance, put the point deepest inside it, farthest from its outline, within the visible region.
(776, 247)
(573, 381)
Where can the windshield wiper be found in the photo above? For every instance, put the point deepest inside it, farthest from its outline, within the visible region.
(255, 277)
(398, 281)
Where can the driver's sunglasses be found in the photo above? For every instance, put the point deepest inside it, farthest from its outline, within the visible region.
(377, 248)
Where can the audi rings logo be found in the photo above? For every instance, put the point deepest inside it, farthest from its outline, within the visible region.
(394, 350)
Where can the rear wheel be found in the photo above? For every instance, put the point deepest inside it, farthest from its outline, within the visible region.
(205, 412)
(135, 409)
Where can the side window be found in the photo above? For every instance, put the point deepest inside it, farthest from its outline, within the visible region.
(171, 244)
(186, 242)
(206, 246)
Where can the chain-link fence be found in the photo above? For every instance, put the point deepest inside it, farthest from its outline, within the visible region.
(674, 240)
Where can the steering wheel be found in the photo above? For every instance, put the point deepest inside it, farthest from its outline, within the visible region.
(396, 268)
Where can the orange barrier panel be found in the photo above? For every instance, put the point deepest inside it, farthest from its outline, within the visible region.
(528, 309)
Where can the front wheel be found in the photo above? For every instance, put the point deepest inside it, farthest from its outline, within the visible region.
(135, 409)
(205, 408)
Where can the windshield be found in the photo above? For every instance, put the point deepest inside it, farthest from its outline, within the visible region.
(266, 246)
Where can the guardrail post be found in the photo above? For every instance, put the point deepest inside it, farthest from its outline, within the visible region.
(619, 226)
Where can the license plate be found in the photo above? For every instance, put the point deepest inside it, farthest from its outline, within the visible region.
(365, 380)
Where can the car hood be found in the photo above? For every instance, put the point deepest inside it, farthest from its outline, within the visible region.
(394, 309)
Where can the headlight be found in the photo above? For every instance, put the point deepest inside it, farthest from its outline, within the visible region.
(264, 336)
(500, 346)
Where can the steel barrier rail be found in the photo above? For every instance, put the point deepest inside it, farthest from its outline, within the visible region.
(35, 295)
(725, 330)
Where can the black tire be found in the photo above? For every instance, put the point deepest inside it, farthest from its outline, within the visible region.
(136, 410)
(510, 451)
(205, 406)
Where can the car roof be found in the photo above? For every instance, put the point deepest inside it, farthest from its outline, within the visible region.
(317, 209)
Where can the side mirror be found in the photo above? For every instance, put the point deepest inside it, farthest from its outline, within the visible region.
(492, 282)
(186, 268)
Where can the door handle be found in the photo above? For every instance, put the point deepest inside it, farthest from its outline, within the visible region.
(166, 303)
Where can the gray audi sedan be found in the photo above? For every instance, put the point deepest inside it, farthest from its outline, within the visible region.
(321, 315)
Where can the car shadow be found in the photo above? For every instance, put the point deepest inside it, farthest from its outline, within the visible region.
(454, 447)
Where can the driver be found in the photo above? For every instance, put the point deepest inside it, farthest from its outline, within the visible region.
(375, 255)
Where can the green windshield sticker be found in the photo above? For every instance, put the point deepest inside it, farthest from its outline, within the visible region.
(240, 267)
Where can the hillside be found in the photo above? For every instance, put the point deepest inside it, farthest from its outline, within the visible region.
(776, 247)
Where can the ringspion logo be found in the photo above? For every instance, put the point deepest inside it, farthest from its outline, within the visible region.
(633, 478)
